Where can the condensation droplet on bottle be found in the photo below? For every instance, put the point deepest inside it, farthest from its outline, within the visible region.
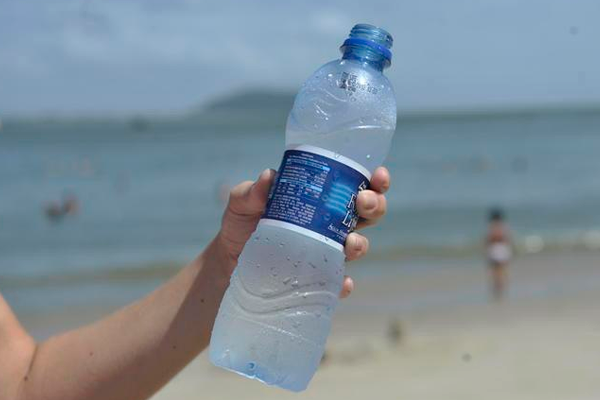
(257, 237)
(287, 280)
(315, 126)
(329, 75)
(274, 271)
(352, 99)
(312, 265)
(281, 244)
(318, 314)
(322, 283)
(267, 240)
(296, 324)
(304, 295)
(326, 118)
(288, 258)
(295, 283)
(368, 156)
(325, 258)
(257, 265)
(297, 263)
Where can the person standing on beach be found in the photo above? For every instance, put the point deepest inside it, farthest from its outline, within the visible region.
(498, 251)
(132, 353)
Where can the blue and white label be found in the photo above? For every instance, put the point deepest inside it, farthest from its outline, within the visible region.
(315, 192)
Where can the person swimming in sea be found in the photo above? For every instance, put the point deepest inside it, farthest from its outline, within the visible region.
(55, 210)
(498, 252)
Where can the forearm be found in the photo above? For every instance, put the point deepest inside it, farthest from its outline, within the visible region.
(134, 352)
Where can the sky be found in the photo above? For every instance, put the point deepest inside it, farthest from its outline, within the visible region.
(80, 57)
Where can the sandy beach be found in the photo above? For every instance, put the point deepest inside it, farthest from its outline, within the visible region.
(542, 343)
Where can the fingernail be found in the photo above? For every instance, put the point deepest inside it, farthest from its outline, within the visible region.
(370, 202)
(357, 245)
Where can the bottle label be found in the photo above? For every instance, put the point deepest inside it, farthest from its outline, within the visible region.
(314, 193)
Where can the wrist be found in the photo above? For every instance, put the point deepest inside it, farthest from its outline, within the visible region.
(219, 260)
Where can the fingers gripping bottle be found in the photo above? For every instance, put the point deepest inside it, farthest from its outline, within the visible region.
(276, 314)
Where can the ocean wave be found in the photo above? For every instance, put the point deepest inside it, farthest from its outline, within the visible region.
(137, 273)
(523, 244)
(109, 274)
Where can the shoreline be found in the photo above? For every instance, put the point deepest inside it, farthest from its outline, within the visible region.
(400, 288)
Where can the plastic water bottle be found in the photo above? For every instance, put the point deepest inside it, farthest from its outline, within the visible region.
(276, 314)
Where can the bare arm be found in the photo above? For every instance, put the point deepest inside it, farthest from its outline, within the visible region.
(134, 352)
(16, 348)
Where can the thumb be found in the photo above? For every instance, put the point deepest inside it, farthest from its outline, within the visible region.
(250, 198)
(247, 202)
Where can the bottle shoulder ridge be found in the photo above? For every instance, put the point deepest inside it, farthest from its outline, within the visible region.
(351, 66)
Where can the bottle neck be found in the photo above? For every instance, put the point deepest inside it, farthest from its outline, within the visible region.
(366, 56)
(370, 45)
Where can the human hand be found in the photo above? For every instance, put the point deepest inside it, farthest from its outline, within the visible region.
(247, 203)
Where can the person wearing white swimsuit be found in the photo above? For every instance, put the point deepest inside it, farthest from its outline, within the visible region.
(498, 252)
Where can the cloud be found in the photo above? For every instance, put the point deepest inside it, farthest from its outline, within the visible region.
(139, 55)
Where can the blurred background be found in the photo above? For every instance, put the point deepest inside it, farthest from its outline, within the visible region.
(123, 124)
